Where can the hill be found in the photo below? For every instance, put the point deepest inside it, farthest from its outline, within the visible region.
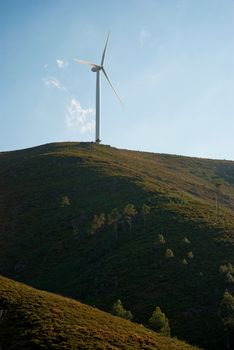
(67, 226)
(33, 319)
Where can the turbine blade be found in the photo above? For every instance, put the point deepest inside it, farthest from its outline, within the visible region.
(87, 62)
(104, 51)
(104, 72)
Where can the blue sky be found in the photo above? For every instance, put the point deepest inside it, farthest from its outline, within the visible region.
(171, 62)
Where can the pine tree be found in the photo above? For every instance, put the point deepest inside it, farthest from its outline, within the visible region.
(190, 255)
(119, 310)
(159, 322)
(129, 212)
(186, 240)
(145, 210)
(226, 313)
(98, 222)
(227, 309)
(65, 201)
(113, 219)
(161, 239)
(169, 253)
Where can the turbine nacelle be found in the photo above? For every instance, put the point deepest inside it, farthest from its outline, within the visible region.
(96, 68)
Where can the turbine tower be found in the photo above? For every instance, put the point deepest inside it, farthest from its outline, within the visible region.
(98, 68)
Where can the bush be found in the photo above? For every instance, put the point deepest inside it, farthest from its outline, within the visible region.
(159, 322)
(119, 310)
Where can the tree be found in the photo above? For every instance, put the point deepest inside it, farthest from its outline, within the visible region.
(186, 240)
(119, 310)
(190, 255)
(65, 201)
(169, 253)
(161, 239)
(145, 210)
(229, 278)
(223, 269)
(159, 322)
(98, 222)
(227, 270)
(129, 212)
(113, 219)
(226, 313)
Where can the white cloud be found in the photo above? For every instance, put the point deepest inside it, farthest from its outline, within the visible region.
(61, 63)
(45, 65)
(144, 36)
(53, 82)
(79, 118)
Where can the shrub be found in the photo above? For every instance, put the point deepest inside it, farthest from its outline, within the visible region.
(119, 310)
(159, 322)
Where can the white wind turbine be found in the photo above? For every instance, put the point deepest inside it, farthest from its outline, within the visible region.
(97, 68)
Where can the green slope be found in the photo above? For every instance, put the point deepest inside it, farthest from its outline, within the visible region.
(34, 320)
(48, 244)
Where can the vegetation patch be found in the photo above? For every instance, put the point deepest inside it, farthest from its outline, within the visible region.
(31, 319)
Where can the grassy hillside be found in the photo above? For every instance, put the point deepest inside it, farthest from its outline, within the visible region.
(37, 320)
(49, 237)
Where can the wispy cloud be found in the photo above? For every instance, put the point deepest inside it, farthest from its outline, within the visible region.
(144, 36)
(79, 118)
(61, 63)
(53, 82)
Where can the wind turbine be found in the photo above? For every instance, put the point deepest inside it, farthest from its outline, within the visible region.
(97, 68)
